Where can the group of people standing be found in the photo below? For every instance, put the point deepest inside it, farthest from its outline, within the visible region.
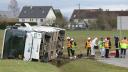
(104, 45)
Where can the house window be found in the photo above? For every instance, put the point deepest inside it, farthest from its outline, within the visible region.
(80, 25)
(23, 20)
(41, 20)
(73, 26)
(31, 19)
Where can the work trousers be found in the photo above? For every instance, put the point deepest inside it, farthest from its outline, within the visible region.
(102, 52)
(92, 51)
(88, 51)
(106, 53)
(117, 53)
(69, 51)
(73, 52)
(123, 53)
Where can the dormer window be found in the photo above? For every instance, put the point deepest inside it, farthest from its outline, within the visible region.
(43, 11)
(41, 20)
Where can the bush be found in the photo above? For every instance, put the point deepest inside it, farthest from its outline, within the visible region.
(3, 25)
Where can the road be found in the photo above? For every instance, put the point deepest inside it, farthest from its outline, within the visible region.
(122, 62)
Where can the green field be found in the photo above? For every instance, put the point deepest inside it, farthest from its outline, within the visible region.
(82, 65)
(21, 66)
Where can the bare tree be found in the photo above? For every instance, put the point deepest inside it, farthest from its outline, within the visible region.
(13, 7)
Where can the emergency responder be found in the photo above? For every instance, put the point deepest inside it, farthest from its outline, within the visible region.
(93, 45)
(107, 46)
(117, 46)
(69, 46)
(73, 47)
(123, 46)
(88, 46)
(101, 47)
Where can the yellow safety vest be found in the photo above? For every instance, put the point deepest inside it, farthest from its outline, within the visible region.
(106, 44)
(124, 44)
(68, 44)
(88, 44)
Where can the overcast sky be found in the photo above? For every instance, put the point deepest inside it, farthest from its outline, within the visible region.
(67, 6)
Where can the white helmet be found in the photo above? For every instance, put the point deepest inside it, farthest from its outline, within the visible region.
(89, 38)
(72, 39)
(68, 37)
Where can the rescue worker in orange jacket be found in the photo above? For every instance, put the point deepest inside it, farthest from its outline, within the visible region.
(88, 46)
(107, 46)
(69, 46)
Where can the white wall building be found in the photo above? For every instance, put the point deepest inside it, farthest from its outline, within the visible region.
(122, 22)
(42, 15)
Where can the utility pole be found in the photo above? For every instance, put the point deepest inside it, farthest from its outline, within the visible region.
(78, 12)
(79, 6)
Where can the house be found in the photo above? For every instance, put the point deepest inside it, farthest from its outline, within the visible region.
(83, 17)
(42, 15)
(80, 17)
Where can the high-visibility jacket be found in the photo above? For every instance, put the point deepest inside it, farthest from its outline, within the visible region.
(101, 44)
(74, 46)
(88, 44)
(68, 44)
(106, 44)
(124, 44)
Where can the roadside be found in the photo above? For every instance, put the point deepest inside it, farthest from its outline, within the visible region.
(122, 62)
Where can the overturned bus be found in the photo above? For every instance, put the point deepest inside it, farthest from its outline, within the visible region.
(32, 42)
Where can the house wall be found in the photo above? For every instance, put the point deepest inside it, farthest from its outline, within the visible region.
(50, 18)
(37, 20)
(122, 22)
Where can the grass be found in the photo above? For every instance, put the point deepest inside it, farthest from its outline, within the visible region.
(21, 66)
(82, 65)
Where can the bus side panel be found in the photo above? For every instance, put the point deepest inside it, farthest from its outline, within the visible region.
(36, 45)
(3, 43)
(28, 47)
